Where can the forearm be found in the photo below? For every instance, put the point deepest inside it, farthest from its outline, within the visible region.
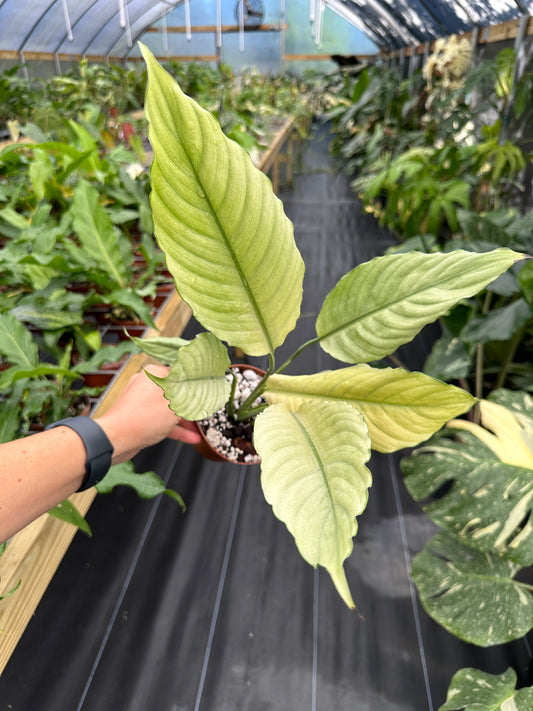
(36, 474)
(40, 471)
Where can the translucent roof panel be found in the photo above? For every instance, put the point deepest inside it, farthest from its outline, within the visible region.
(265, 51)
(397, 23)
(74, 27)
(111, 27)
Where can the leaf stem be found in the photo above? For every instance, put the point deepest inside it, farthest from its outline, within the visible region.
(478, 390)
(245, 410)
(513, 346)
(231, 401)
(296, 353)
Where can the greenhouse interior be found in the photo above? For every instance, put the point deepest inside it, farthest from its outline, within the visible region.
(231, 232)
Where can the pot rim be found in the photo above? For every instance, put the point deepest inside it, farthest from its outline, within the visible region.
(205, 448)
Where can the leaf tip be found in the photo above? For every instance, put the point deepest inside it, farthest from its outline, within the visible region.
(339, 579)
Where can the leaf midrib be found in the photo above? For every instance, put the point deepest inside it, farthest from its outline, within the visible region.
(338, 398)
(386, 307)
(227, 242)
(102, 249)
(322, 468)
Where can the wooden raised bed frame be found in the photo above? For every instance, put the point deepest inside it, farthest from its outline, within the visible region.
(34, 554)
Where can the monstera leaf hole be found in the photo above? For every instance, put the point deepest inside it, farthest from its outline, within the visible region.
(225, 438)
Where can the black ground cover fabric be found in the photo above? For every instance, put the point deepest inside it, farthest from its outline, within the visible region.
(213, 609)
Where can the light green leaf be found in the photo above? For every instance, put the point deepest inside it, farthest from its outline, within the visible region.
(147, 485)
(164, 349)
(15, 373)
(14, 218)
(465, 488)
(401, 409)
(227, 241)
(97, 235)
(384, 303)
(16, 342)
(66, 511)
(47, 319)
(196, 385)
(313, 474)
(472, 594)
(475, 690)
(106, 354)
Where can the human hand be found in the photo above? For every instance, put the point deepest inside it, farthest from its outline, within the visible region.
(141, 417)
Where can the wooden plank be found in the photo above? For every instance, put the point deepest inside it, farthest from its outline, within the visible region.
(51, 57)
(34, 554)
(268, 158)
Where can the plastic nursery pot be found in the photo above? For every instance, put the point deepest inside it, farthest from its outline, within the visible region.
(241, 449)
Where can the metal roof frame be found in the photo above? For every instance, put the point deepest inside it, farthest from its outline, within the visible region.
(94, 28)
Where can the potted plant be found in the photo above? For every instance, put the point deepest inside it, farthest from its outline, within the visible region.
(231, 251)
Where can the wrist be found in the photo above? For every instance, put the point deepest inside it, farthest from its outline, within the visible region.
(122, 438)
(98, 448)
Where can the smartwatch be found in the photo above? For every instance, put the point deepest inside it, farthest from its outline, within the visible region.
(98, 447)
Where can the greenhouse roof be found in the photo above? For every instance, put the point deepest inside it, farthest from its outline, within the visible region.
(110, 28)
(399, 23)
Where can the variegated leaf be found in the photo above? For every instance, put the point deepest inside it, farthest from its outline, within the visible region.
(462, 483)
(228, 243)
(313, 474)
(472, 594)
(384, 303)
(476, 690)
(196, 385)
(401, 409)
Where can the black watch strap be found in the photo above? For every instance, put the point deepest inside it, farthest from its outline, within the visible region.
(98, 447)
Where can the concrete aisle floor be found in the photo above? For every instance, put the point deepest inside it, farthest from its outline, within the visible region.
(214, 610)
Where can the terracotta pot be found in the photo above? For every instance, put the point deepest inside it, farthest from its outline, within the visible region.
(207, 450)
(99, 378)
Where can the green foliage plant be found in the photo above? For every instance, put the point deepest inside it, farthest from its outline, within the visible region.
(486, 340)
(232, 253)
(72, 213)
(420, 191)
(42, 385)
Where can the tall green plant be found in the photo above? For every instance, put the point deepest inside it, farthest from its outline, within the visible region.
(231, 250)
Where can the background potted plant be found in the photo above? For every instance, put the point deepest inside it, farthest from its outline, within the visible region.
(231, 250)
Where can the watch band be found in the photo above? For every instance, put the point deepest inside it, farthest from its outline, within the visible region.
(98, 447)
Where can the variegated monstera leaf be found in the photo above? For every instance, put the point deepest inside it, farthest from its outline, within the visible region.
(475, 481)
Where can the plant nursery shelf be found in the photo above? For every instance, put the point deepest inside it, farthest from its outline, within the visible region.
(34, 554)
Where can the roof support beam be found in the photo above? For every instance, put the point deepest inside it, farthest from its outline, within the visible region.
(400, 29)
